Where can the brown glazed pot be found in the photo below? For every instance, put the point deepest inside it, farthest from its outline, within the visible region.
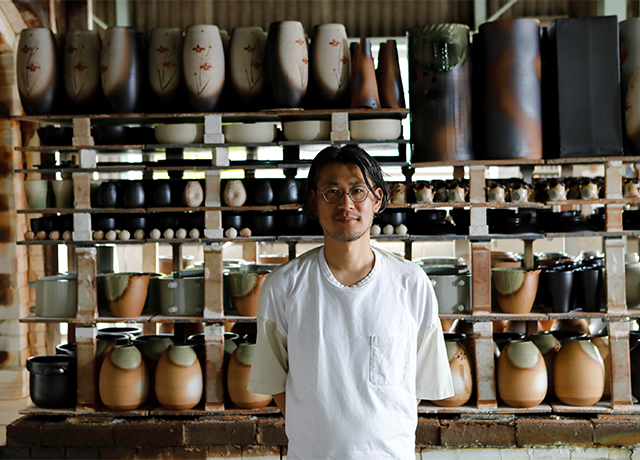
(245, 289)
(126, 293)
(364, 86)
(549, 347)
(602, 342)
(390, 88)
(522, 374)
(179, 382)
(515, 288)
(37, 71)
(579, 373)
(460, 372)
(123, 383)
(238, 379)
(287, 63)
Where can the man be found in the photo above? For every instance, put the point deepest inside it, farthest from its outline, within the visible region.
(349, 335)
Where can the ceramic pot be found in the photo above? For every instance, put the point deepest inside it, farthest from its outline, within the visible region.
(37, 71)
(630, 79)
(329, 66)
(238, 379)
(522, 374)
(440, 92)
(36, 192)
(82, 69)
(152, 346)
(126, 293)
(133, 195)
(364, 86)
(632, 279)
(287, 63)
(559, 283)
(192, 194)
(245, 289)
(179, 383)
(515, 288)
(123, 382)
(390, 88)
(108, 194)
(589, 288)
(602, 343)
(182, 294)
(134, 222)
(262, 223)
(246, 64)
(579, 373)
(452, 286)
(63, 192)
(549, 347)
(203, 66)
(460, 372)
(259, 192)
(288, 191)
(234, 193)
(69, 349)
(52, 381)
(122, 69)
(105, 342)
(232, 219)
(165, 65)
(56, 296)
(161, 194)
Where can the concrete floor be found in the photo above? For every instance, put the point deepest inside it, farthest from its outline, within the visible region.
(8, 413)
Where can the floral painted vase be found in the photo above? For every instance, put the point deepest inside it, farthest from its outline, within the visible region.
(82, 68)
(37, 71)
(123, 383)
(287, 63)
(203, 66)
(165, 65)
(329, 66)
(121, 69)
(246, 64)
(178, 379)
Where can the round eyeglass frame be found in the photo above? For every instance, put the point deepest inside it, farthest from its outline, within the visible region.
(348, 192)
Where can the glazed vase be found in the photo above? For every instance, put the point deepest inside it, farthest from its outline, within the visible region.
(238, 379)
(37, 71)
(245, 289)
(165, 66)
(287, 63)
(178, 379)
(522, 374)
(559, 289)
(152, 348)
(460, 372)
(440, 92)
(549, 347)
(329, 66)
(602, 343)
(630, 80)
(82, 69)
(126, 293)
(390, 89)
(161, 194)
(133, 194)
(364, 86)
(203, 66)
(515, 288)
(63, 193)
(247, 65)
(122, 69)
(579, 373)
(123, 383)
(105, 342)
(289, 191)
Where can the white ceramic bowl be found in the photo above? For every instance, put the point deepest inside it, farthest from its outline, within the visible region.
(307, 130)
(379, 129)
(180, 133)
(249, 133)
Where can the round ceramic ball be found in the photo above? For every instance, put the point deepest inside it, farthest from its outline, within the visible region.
(155, 234)
(67, 235)
(139, 234)
(181, 233)
(111, 235)
(98, 235)
(401, 229)
(245, 232)
(168, 233)
(388, 229)
(231, 232)
(194, 233)
(41, 235)
(54, 235)
(375, 230)
(29, 235)
(125, 235)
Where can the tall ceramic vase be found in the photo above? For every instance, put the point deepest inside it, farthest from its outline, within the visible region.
(579, 373)
(329, 66)
(364, 86)
(203, 66)
(165, 65)
(549, 347)
(179, 383)
(522, 374)
(246, 64)
(123, 383)
(121, 67)
(152, 348)
(238, 379)
(287, 62)
(82, 68)
(630, 80)
(390, 89)
(440, 92)
(460, 372)
(37, 71)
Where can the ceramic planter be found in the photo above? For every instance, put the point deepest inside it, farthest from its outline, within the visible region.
(52, 381)
(515, 288)
(152, 346)
(390, 88)
(522, 374)
(364, 86)
(247, 65)
(36, 192)
(203, 66)
(165, 65)
(121, 67)
(82, 68)
(549, 347)
(245, 289)
(179, 382)
(287, 63)
(579, 373)
(123, 383)
(63, 193)
(37, 71)
(329, 66)
(126, 293)
(460, 372)
(238, 379)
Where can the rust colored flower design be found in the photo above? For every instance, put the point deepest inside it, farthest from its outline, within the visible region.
(256, 64)
(169, 64)
(26, 49)
(80, 66)
(334, 42)
(305, 60)
(300, 41)
(250, 48)
(198, 49)
(206, 66)
(162, 49)
(72, 49)
(104, 68)
(33, 67)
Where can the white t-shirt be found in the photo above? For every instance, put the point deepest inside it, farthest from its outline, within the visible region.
(347, 356)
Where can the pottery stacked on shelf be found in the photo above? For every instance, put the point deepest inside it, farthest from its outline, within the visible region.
(579, 373)
(461, 371)
(203, 65)
(37, 71)
(178, 379)
(238, 377)
(124, 380)
(52, 381)
(521, 374)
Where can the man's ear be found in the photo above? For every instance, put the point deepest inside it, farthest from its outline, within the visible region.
(312, 203)
(377, 200)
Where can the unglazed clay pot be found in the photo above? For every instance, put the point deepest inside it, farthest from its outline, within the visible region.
(82, 68)
(234, 193)
(246, 64)
(165, 65)
(179, 383)
(364, 86)
(460, 371)
(522, 374)
(390, 88)
(121, 68)
(126, 293)
(193, 195)
(238, 379)
(203, 66)
(579, 373)
(602, 343)
(549, 347)
(515, 288)
(37, 71)
(245, 289)
(287, 63)
(152, 346)
(123, 383)
(329, 66)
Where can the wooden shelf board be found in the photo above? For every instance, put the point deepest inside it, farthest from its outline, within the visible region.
(239, 319)
(112, 319)
(602, 407)
(47, 319)
(427, 407)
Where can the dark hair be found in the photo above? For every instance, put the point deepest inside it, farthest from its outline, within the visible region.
(348, 155)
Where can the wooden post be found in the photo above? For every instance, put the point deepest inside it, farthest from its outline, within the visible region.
(485, 379)
(614, 275)
(86, 368)
(481, 277)
(214, 343)
(340, 127)
(213, 290)
(620, 365)
(87, 289)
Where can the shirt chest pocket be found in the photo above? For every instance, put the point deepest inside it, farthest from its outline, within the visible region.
(389, 360)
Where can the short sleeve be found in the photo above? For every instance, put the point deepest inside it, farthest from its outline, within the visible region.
(433, 374)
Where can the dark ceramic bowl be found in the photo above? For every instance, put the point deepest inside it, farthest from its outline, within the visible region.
(503, 338)
(69, 349)
(55, 135)
(104, 222)
(163, 221)
(393, 217)
(134, 222)
(41, 224)
(110, 134)
(262, 224)
(232, 219)
(52, 380)
(563, 335)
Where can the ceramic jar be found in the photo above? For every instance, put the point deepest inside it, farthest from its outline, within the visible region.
(121, 67)
(246, 65)
(364, 86)
(234, 193)
(123, 383)
(82, 68)
(133, 194)
(287, 63)
(602, 343)
(522, 374)
(165, 65)
(515, 288)
(390, 88)
(63, 193)
(152, 347)
(36, 193)
(460, 371)
(559, 290)
(203, 66)
(105, 342)
(37, 71)
(549, 347)
(579, 373)
(126, 293)
(630, 80)
(329, 66)
(179, 383)
(52, 381)
(238, 378)
(245, 289)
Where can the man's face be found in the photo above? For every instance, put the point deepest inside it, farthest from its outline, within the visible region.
(344, 220)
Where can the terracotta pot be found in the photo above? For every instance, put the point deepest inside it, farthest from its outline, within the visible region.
(238, 379)
(522, 374)
(126, 293)
(329, 66)
(602, 343)
(515, 288)
(364, 86)
(179, 383)
(245, 289)
(390, 88)
(82, 68)
(152, 346)
(165, 65)
(123, 383)
(460, 371)
(246, 64)
(121, 67)
(287, 63)
(37, 71)
(579, 373)
(203, 66)
(549, 347)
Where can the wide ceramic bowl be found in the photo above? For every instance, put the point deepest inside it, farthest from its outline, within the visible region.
(180, 133)
(376, 129)
(249, 133)
(307, 130)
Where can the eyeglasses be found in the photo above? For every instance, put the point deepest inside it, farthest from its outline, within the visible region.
(357, 194)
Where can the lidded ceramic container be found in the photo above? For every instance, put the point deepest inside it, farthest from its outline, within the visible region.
(579, 373)
(179, 384)
(522, 374)
(123, 383)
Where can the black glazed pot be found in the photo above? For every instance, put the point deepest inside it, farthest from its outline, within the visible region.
(289, 191)
(262, 224)
(559, 284)
(563, 335)
(232, 219)
(55, 135)
(132, 223)
(110, 134)
(589, 288)
(161, 193)
(41, 224)
(393, 217)
(52, 380)
(462, 219)
(501, 339)
(259, 192)
(196, 220)
(69, 349)
(291, 223)
(164, 221)
(131, 331)
(104, 222)
(133, 195)
(108, 194)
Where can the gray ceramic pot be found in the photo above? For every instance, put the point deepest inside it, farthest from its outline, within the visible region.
(56, 296)
(182, 294)
(452, 286)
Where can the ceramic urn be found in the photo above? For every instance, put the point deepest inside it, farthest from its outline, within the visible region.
(516, 288)
(329, 66)
(579, 373)
(364, 86)
(203, 66)
(37, 71)
(178, 379)
(460, 372)
(522, 374)
(238, 379)
(123, 383)
(121, 69)
(247, 65)
(82, 68)
(549, 347)
(165, 65)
